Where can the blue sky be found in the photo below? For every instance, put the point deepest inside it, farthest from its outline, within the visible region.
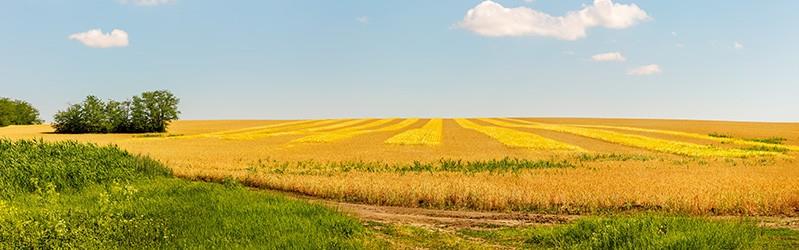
(321, 59)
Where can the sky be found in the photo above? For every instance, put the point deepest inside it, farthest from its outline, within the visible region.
(716, 60)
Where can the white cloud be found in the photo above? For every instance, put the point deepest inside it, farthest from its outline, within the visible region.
(738, 45)
(147, 2)
(609, 57)
(362, 19)
(97, 39)
(492, 19)
(645, 70)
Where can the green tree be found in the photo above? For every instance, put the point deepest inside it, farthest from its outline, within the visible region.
(69, 121)
(150, 112)
(90, 116)
(118, 116)
(153, 111)
(16, 112)
(93, 116)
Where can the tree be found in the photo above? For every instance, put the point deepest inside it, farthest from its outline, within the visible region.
(153, 111)
(93, 116)
(16, 112)
(150, 112)
(118, 116)
(69, 121)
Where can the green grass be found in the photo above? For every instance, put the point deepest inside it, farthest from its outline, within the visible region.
(156, 135)
(643, 232)
(768, 149)
(28, 165)
(613, 157)
(719, 135)
(649, 232)
(770, 140)
(172, 213)
(72, 195)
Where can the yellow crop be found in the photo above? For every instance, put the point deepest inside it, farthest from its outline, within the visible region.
(735, 141)
(764, 186)
(334, 135)
(300, 129)
(517, 139)
(429, 134)
(660, 145)
(274, 127)
(703, 190)
(345, 133)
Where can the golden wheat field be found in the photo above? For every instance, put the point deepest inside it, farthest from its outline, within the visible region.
(556, 165)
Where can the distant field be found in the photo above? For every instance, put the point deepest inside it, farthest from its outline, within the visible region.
(576, 166)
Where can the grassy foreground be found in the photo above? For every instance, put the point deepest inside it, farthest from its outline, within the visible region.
(72, 195)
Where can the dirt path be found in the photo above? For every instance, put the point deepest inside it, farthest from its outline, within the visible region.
(437, 218)
(445, 218)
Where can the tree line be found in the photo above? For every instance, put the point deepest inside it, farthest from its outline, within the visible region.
(17, 112)
(149, 112)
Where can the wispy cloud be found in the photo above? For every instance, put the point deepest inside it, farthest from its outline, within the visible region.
(147, 2)
(737, 45)
(362, 19)
(645, 70)
(492, 19)
(95, 38)
(609, 57)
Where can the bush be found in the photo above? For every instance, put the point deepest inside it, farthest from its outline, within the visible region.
(150, 112)
(16, 112)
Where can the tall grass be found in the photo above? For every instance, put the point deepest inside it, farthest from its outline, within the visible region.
(67, 195)
(27, 165)
(649, 232)
(643, 231)
(165, 213)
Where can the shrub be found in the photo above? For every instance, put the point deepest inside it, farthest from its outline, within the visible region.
(16, 112)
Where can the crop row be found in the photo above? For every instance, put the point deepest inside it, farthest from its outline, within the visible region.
(349, 132)
(648, 143)
(292, 130)
(723, 140)
(517, 139)
(429, 134)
